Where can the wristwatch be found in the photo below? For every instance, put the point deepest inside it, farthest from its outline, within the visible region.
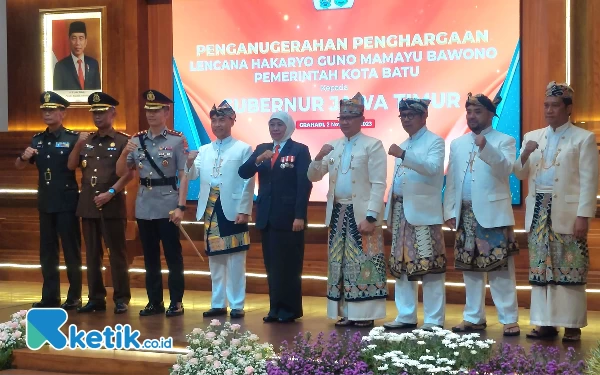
(371, 219)
(182, 208)
(112, 191)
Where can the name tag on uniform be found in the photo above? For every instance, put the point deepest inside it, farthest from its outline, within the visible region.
(62, 144)
(165, 148)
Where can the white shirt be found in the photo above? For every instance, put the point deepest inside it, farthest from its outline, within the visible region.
(474, 152)
(399, 177)
(76, 62)
(220, 146)
(544, 180)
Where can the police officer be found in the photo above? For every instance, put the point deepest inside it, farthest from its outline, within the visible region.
(159, 155)
(102, 204)
(57, 201)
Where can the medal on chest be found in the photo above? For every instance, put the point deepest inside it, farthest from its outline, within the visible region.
(287, 162)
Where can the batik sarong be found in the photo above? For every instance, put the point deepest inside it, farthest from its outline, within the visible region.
(222, 236)
(554, 258)
(356, 263)
(417, 250)
(482, 249)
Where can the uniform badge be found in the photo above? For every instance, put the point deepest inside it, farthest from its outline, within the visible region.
(47, 97)
(140, 165)
(62, 144)
(96, 98)
(165, 163)
(112, 144)
(89, 147)
(150, 96)
(331, 161)
(84, 164)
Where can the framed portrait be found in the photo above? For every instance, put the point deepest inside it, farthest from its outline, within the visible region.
(72, 53)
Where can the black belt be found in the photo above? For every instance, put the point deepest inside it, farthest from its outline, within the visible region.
(150, 182)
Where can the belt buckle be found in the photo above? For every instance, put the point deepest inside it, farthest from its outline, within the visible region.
(149, 183)
(94, 181)
(48, 175)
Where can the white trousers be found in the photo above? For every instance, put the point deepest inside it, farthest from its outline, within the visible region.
(228, 275)
(434, 299)
(559, 306)
(503, 285)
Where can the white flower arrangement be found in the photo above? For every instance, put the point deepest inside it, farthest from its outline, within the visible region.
(421, 352)
(223, 350)
(12, 336)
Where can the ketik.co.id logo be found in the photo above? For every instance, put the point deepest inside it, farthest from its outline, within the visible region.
(43, 326)
(333, 4)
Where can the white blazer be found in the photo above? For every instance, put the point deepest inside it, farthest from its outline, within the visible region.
(236, 193)
(422, 181)
(490, 189)
(575, 177)
(369, 172)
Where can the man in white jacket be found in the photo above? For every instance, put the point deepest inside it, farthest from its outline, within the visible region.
(477, 202)
(560, 163)
(415, 215)
(225, 204)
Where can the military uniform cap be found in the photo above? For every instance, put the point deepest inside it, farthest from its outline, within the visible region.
(156, 100)
(101, 102)
(223, 110)
(51, 100)
(77, 27)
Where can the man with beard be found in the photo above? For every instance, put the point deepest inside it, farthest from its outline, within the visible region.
(477, 203)
(356, 163)
(102, 204)
(224, 204)
(560, 163)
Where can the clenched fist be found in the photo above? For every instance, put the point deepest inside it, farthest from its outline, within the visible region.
(480, 141)
(192, 156)
(325, 150)
(131, 147)
(267, 155)
(83, 137)
(395, 151)
(28, 153)
(530, 147)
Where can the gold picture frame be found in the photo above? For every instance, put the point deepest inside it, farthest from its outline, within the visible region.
(73, 58)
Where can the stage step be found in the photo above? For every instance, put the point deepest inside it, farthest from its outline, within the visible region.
(33, 372)
(94, 362)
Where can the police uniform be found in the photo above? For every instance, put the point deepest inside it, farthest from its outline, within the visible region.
(98, 160)
(158, 167)
(57, 201)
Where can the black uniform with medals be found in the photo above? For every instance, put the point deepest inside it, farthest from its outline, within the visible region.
(58, 195)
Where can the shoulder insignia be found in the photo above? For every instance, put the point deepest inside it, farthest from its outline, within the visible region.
(173, 132)
(140, 133)
(125, 134)
(38, 134)
(71, 131)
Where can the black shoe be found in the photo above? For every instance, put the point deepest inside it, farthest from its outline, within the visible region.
(173, 310)
(237, 313)
(45, 305)
(120, 308)
(270, 319)
(71, 305)
(92, 307)
(153, 309)
(287, 320)
(215, 312)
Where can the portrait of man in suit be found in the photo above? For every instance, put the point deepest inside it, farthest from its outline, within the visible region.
(77, 71)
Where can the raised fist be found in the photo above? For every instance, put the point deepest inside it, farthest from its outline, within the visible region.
(28, 153)
(131, 147)
(192, 156)
(83, 137)
(530, 147)
(395, 150)
(325, 150)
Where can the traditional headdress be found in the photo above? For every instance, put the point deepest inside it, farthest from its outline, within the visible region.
(352, 107)
(483, 101)
(418, 105)
(223, 110)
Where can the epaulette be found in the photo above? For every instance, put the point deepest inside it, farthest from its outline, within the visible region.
(140, 133)
(40, 133)
(174, 132)
(125, 134)
(71, 131)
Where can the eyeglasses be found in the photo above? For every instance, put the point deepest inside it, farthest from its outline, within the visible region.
(407, 116)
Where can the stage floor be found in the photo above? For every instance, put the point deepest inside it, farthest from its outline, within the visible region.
(15, 296)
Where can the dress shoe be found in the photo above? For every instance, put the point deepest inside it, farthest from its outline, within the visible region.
(269, 319)
(237, 313)
(215, 312)
(120, 308)
(45, 305)
(71, 305)
(153, 309)
(399, 325)
(287, 320)
(92, 307)
(173, 310)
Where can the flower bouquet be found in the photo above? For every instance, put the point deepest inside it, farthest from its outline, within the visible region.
(223, 350)
(421, 352)
(12, 336)
(334, 356)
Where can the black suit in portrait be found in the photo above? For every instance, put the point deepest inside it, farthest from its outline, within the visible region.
(65, 74)
(283, 195)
